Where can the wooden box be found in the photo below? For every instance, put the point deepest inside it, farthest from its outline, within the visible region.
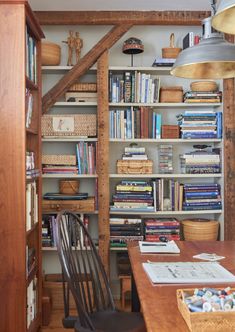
(83, 205)
(134, 167)
(170, 131)
(218, 321)
(171, 94)
(82, 125)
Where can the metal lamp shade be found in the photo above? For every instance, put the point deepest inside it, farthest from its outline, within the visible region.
(212, 58)
(224, 19)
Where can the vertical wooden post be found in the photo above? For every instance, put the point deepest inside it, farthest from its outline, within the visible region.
(103, 158)
(229, 159)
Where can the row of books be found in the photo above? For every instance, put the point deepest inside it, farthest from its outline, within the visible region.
(203, 97)
(133, 87)
(134, 152)
(164, 195)
(49, 229)
(135, 122)
(201, 161)
(32, 301)
(31, 205)
(86, 157)
(31, 57)
(190, 40)
(123, 230)
(200, 124)
(29, 107)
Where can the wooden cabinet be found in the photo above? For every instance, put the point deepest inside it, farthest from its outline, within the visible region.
(20, 225)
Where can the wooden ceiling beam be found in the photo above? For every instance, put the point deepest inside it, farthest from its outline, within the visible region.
(121, 17)
(83, 65)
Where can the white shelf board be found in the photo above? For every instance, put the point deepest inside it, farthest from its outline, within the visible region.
(169, 105)
(164, 140)
(67, 139)
(75, 104)
(168, 176)
(149, 70)
(167, 213)
(71, 176)
(118, 249)
(60, 69)
(76, 212)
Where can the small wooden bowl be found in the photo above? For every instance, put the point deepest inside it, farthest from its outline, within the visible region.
(204, 86)
(51, 54)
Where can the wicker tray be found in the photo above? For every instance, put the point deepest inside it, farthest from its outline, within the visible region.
(83, 125)
(48, 159)
(219, 321)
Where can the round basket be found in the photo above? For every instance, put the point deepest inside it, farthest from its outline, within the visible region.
(204, 86)
(200, 230)
(69, 186)
(51, 54)
(172, 51)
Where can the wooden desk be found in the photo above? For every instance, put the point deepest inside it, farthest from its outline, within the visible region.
(158, 302)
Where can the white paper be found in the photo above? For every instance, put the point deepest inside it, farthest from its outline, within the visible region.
(209, 257)
(187, 272)
(63, 124)
(159, 247)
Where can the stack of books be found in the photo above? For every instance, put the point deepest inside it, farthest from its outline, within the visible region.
(158, 229)
(133, 87)
(190, 40)
(166, 159)
(123, 230)
(59, 169)
(48, 230)
(86, 157)
(135, 122)
(203, 97)
(134, 153)
(201, 162)
(200, 124)
(163, 62)
(204, 196)
(135, 196)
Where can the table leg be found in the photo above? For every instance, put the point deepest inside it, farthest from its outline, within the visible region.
(135, 302)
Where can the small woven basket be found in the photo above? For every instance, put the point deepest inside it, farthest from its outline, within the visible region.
(171, 52)
(69, 186)
(171, 94)
(200, 230)
(204, 86)
(51, 54)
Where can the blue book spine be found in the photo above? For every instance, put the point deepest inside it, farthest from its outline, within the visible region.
(153, 126)
(159, 124)
(78, 159)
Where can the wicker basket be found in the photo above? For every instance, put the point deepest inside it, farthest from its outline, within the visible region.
(171, 94)
(172, 51)
(83, 87)
(48, 159)
(51, 54)
(170, 131)
(204, 86)
(134, 167)
(218, 321)
(200, 230)
(69, 186)
(83, 125)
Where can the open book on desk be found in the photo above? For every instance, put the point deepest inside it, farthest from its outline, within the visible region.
(159, 247)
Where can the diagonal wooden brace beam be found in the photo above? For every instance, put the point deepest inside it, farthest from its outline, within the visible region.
(83, 65)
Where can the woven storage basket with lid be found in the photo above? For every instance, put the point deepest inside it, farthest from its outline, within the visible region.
(200, 229)
(204, 86)
(69, 186)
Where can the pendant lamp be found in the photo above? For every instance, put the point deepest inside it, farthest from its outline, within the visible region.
(224, 18)
(212, 58)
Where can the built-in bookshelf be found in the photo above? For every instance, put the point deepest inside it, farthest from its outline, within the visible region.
(21, 272)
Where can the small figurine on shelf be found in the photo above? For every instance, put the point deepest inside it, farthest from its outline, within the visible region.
(71, 43)
(78, 46)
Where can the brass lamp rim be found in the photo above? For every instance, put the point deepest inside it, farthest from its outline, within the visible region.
(223, 22)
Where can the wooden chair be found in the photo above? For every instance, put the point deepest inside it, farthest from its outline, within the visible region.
(87, 280)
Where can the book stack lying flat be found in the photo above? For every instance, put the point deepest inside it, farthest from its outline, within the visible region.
(159, 228)
(163, 62)
(201, 162)
(123, 230)
(203, 97)
(200, 124)
(134, 153)
(135, 122)
(135, 196)
(165, 159)
(59, 169)
(204, 196)
(133, 87)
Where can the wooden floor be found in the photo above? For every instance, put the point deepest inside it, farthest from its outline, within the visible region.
(56, 319)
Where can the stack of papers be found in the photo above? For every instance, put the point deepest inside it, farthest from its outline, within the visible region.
(159, 247)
